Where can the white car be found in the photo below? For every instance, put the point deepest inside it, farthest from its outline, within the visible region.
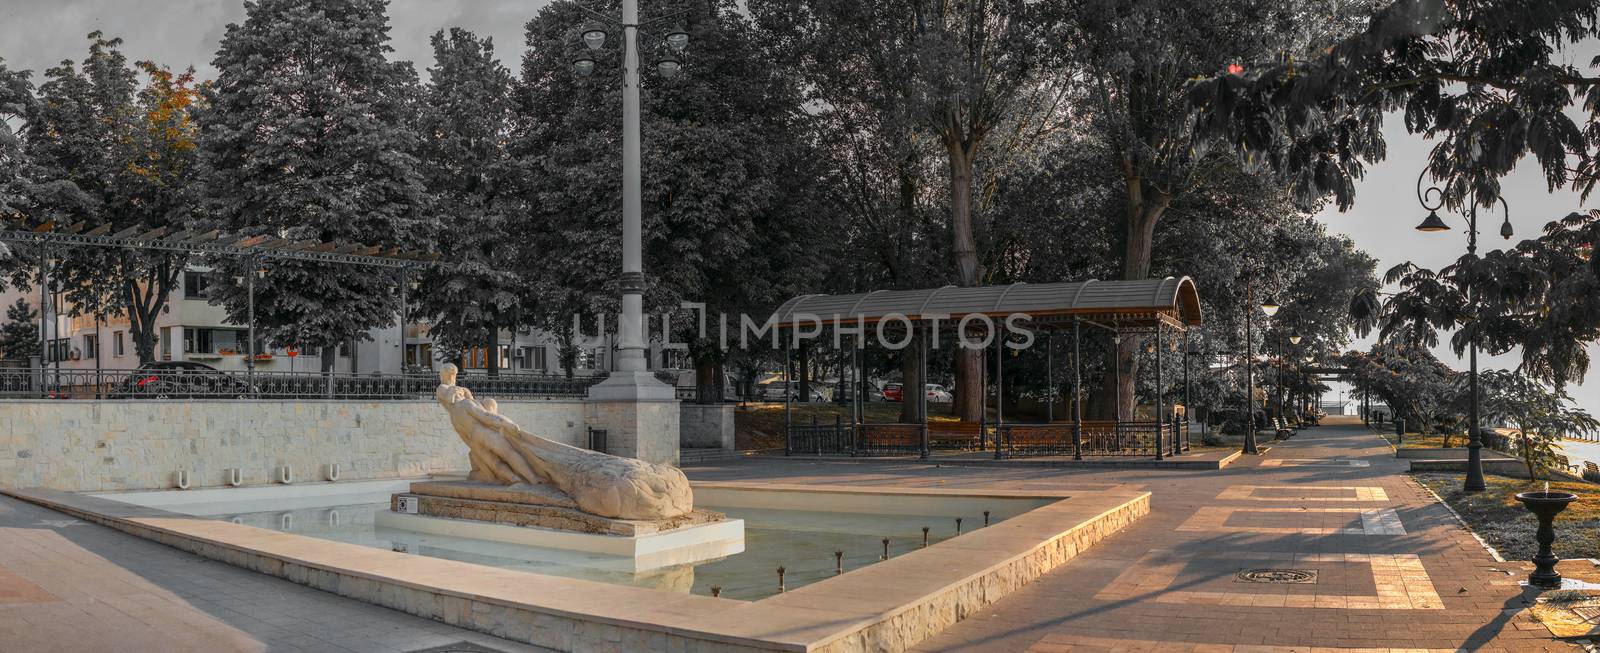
(938, 395)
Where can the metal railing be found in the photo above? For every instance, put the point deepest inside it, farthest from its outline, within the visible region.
(1097, 438)
(35, 383)
(821, 438)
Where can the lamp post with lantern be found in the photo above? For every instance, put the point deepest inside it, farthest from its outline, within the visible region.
(631, 379)
(1434, 224)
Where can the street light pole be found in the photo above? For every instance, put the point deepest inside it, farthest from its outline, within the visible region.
(631, 378)
(1249, 378)
(1433, 223)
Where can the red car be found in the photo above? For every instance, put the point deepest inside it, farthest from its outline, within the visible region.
(893, 392)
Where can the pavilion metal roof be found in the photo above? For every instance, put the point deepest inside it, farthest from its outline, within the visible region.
(1172, 301)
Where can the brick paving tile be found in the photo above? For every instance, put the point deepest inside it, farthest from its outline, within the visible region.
(1394, 570)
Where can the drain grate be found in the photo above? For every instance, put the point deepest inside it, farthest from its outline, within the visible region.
(1277, 576)
(459, 647)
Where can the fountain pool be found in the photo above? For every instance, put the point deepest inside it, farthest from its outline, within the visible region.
(791, 529)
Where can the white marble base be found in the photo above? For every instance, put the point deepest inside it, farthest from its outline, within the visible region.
(674, 547)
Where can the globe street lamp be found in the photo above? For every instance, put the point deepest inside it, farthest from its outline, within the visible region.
(632, 379)
(1433, 224)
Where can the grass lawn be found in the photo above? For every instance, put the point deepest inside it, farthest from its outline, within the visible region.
(1499, 518)
(1416, 441)
(760, 425)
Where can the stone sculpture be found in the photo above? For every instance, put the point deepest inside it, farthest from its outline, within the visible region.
(598, 483)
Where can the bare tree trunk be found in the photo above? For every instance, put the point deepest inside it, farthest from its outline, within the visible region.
(968, 362)
(912, 385)
(708, 385)
(1145, 208)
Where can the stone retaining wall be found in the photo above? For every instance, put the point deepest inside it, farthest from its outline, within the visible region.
(138, 445)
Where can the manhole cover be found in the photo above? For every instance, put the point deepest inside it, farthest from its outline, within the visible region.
(1277, 576)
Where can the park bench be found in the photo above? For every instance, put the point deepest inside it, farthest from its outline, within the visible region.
(954, 435)
(1591, 472)
(1281, 429)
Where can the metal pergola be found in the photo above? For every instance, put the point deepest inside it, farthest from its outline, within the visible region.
(1144, 307)
(48, 238)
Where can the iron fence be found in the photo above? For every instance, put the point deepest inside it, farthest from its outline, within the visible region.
(1097, 438)
(818, 439)
(68, 384)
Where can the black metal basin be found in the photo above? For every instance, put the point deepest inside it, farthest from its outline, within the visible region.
(1546, 505)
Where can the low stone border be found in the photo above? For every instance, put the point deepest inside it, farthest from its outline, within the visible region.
(1205, 461)
(888, 606)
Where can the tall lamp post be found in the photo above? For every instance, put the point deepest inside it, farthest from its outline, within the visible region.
(1269, 307)
(1433, 224)
(631, 378)
(1294, 339)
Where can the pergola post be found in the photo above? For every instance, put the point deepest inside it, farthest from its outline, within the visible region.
(44, 317)
(1161, 416)
(1077, 389)
(1050, 378)
(250, 323)
(1116, 409)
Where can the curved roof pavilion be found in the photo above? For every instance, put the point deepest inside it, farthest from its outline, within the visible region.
(1172, 302)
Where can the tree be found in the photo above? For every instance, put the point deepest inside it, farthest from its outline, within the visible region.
(128, 154)
(1410, 380)
(465, 122)
(1136, 61)
(954, 71)
(19, 336)
(308, 136)
(1540, 415)
(1488, 80)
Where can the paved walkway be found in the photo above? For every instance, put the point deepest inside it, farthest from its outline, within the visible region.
(68, 586)
(1382, 565)
(1379, 565)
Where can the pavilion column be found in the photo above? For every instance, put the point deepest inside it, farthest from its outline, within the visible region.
(1161, 416)
(922, 390)
(1050, 378)
(983, 405)
(1077, 390)
(999, 397)
(788, 398)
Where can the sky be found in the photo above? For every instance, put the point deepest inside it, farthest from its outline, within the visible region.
(36, 34)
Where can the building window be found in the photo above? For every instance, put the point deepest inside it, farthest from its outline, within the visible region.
(195, 284)
(91, 345)
(537, 358)
(118, 348)
(59, 349)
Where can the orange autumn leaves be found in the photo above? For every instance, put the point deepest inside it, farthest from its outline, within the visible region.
(168, 128)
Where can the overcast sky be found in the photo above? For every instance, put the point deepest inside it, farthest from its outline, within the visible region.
(37, 34)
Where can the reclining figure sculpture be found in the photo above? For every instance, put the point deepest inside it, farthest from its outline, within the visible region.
(599, 483)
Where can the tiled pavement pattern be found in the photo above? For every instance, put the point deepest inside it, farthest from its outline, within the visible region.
(1423, 584)
(68, 586)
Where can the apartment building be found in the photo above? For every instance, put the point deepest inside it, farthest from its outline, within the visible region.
(192, 329)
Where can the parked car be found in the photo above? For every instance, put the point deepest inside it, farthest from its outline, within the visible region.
(849, 393)
(893, 392)
(938, 395)
(775, 391)
(179, 380)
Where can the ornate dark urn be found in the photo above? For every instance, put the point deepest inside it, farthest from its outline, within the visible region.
(1546, 505)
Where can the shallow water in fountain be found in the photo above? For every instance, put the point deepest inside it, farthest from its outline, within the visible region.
(802, 542)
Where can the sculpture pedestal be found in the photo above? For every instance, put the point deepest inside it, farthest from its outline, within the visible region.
(541, 516)
(645, 428)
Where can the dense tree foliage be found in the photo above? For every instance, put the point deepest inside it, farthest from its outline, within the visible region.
(129, 157)
(465, 123)
(308, 135)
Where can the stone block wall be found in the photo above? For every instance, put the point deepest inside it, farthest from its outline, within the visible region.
(138, 445)
(705, 426)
